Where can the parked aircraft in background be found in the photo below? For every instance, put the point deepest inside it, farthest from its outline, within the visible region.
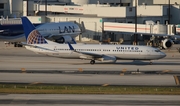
(163, 41)
(105, 53)
(156, 33)
(61, 32)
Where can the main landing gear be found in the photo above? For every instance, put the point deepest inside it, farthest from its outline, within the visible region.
(150, 63)
(92, 62)
(17, 44)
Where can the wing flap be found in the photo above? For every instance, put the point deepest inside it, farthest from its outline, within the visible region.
(88, 54)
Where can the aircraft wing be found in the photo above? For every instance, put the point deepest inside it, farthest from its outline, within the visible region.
(94, 55)
(50, 36)
(161, 35)
(47, 35)
(35, 46)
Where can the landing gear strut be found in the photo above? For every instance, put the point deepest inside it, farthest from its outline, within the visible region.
(92, 62)
(17, 45)
(150, 63)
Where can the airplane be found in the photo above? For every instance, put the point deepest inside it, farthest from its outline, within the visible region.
(104, 53)
(61, 32)
(163, 41)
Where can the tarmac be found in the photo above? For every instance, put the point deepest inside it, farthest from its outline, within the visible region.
(18, 65)
(88, 100)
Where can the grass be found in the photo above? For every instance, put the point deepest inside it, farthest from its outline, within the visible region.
(74, 89)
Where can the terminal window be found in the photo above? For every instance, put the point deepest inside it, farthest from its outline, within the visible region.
(1, 6)
(130, 9)
(1, 13)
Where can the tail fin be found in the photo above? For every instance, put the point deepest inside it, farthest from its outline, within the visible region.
(83, 29)
(32, 35)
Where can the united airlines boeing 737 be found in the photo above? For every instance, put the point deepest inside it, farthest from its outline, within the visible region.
(105, 53)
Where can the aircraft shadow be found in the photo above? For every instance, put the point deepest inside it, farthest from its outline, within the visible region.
(147, 63)
(139, 63)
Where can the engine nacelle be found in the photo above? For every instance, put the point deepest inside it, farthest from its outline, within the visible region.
(64, 39)
(107, 58)
(167, 43)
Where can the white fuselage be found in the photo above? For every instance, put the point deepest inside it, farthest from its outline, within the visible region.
(121, 52)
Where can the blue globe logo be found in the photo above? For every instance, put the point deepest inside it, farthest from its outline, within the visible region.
(36, 38)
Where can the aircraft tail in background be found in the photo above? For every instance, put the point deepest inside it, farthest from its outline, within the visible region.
(32, 35)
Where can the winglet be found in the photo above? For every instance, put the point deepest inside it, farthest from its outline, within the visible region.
(70, 46)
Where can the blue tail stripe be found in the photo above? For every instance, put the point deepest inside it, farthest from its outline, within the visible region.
(28, 27)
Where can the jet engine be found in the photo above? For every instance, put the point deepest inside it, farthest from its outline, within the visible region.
(167, 43)
(64, 39)
(107, 58)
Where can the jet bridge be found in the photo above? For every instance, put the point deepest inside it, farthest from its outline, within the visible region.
(130, 28)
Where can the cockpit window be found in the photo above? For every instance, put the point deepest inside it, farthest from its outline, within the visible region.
(157, 50)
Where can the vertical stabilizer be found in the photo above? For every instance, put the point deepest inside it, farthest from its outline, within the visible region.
(32, 35)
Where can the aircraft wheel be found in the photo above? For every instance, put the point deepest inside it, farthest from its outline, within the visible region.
(19, 45)
(92, 61)
(150, 63)
(15, 45)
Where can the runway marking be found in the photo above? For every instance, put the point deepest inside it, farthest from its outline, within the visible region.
(80, 70)
(23, 70)
(176, 80)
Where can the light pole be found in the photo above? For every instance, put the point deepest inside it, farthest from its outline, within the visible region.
(169, 12)
(45, 7)
(27, 7)
(135, 34)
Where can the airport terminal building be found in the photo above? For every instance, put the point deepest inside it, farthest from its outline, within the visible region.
(93, 13)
